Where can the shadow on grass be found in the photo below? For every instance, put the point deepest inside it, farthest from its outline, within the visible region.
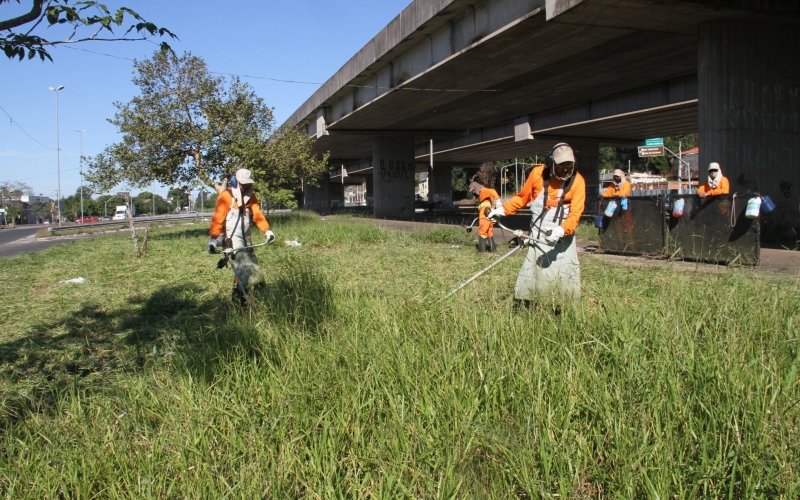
(96, 343)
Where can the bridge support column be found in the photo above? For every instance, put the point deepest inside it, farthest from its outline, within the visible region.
(587, 154)
(317, 198)
(749, 115)
(440, 186)
(336, 194)
(393, 176)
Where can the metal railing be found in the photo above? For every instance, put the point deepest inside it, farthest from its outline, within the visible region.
(124, 223)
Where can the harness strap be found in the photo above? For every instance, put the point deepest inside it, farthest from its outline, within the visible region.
(558, 215)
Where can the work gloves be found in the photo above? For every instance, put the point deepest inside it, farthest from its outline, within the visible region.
(497, 211)
(213, 243)
(555, 234)
(270, 236)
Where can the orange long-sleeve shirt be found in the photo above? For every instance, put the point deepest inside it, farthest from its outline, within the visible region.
(486, 199)
(724, 187)
(225, 201)
(575, 198)
(612, 191)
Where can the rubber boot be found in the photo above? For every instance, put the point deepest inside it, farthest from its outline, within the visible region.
(481, 244)
(492, 246)
(238, 297)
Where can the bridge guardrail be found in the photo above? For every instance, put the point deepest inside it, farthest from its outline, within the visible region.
(55, 230)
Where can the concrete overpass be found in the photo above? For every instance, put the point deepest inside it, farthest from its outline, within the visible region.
(496, 79)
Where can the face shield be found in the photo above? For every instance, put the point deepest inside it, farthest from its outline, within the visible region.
(564, 170)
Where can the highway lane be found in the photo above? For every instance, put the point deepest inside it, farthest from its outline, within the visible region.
(23, 239)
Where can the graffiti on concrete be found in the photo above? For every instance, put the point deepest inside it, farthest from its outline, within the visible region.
(785, 188)
(763, 106)
(391, 169)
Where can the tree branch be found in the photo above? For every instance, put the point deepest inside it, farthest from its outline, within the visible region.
(35, 12)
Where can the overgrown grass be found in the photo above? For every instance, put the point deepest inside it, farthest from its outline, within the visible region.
(350, 376)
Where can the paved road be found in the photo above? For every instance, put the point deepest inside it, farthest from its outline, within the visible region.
(23, 240)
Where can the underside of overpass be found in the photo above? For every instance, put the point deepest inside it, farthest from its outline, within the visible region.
(466, 81)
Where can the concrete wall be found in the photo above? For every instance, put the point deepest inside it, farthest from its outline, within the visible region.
(587, 155)
(440, 189)
(749, 114)
(318, 198)
(393, 176)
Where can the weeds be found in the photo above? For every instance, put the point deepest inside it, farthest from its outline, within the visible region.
(350, 376)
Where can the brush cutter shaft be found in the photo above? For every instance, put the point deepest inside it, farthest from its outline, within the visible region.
(236, 250)
(483, 271)
(526, 238)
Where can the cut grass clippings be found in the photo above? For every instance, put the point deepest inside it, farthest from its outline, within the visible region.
(350, 376)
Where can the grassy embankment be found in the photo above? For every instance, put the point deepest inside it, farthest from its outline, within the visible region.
(351, 377)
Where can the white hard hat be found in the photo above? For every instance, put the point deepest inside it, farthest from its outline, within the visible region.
(713, 166)
(244, 176)
(562, 153)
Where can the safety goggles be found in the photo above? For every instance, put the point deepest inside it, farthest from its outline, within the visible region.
(617, 178)
(713, 170)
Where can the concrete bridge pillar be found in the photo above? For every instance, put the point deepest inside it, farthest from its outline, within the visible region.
(587, 155)
(317, 198)
(440, 186)
(393, 176)
(749, 115)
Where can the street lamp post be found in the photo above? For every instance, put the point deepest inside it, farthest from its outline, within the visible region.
(80, 166)
(57, 89)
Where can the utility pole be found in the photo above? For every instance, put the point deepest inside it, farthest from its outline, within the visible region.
(80, 167)
(57, 89)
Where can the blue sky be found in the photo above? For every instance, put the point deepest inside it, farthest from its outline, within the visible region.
(269, 40)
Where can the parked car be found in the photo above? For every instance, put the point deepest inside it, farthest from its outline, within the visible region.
(87, 219)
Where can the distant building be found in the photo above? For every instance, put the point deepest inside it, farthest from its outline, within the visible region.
(642, 184)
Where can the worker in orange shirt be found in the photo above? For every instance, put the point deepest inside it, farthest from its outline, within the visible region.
(619, 188)
(551, 270)
(716, 185)
(487, 199)
(236, 208)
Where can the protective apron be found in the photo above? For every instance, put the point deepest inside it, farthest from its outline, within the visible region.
(549, 271)
(237, 227)
(244, 262)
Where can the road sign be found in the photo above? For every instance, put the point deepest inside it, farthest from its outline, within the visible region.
(648, 151)
(655, 141)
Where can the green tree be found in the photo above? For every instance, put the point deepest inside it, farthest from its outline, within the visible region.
(178, 197)
(12, 191)
(459, 183)
(663, 164)
(146, 201)
(10, 194)
(186, 124)
(85, 20)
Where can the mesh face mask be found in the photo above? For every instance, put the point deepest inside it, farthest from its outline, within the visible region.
(564, 170)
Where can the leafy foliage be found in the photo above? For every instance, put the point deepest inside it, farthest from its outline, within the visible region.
(85, 15)
(187, 125)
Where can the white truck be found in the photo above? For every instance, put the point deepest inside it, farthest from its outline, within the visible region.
(122, 212)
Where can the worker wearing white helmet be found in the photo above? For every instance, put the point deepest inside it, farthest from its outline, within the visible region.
(236, 208)
(716, 185)
(557, 196)
(619, 188)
